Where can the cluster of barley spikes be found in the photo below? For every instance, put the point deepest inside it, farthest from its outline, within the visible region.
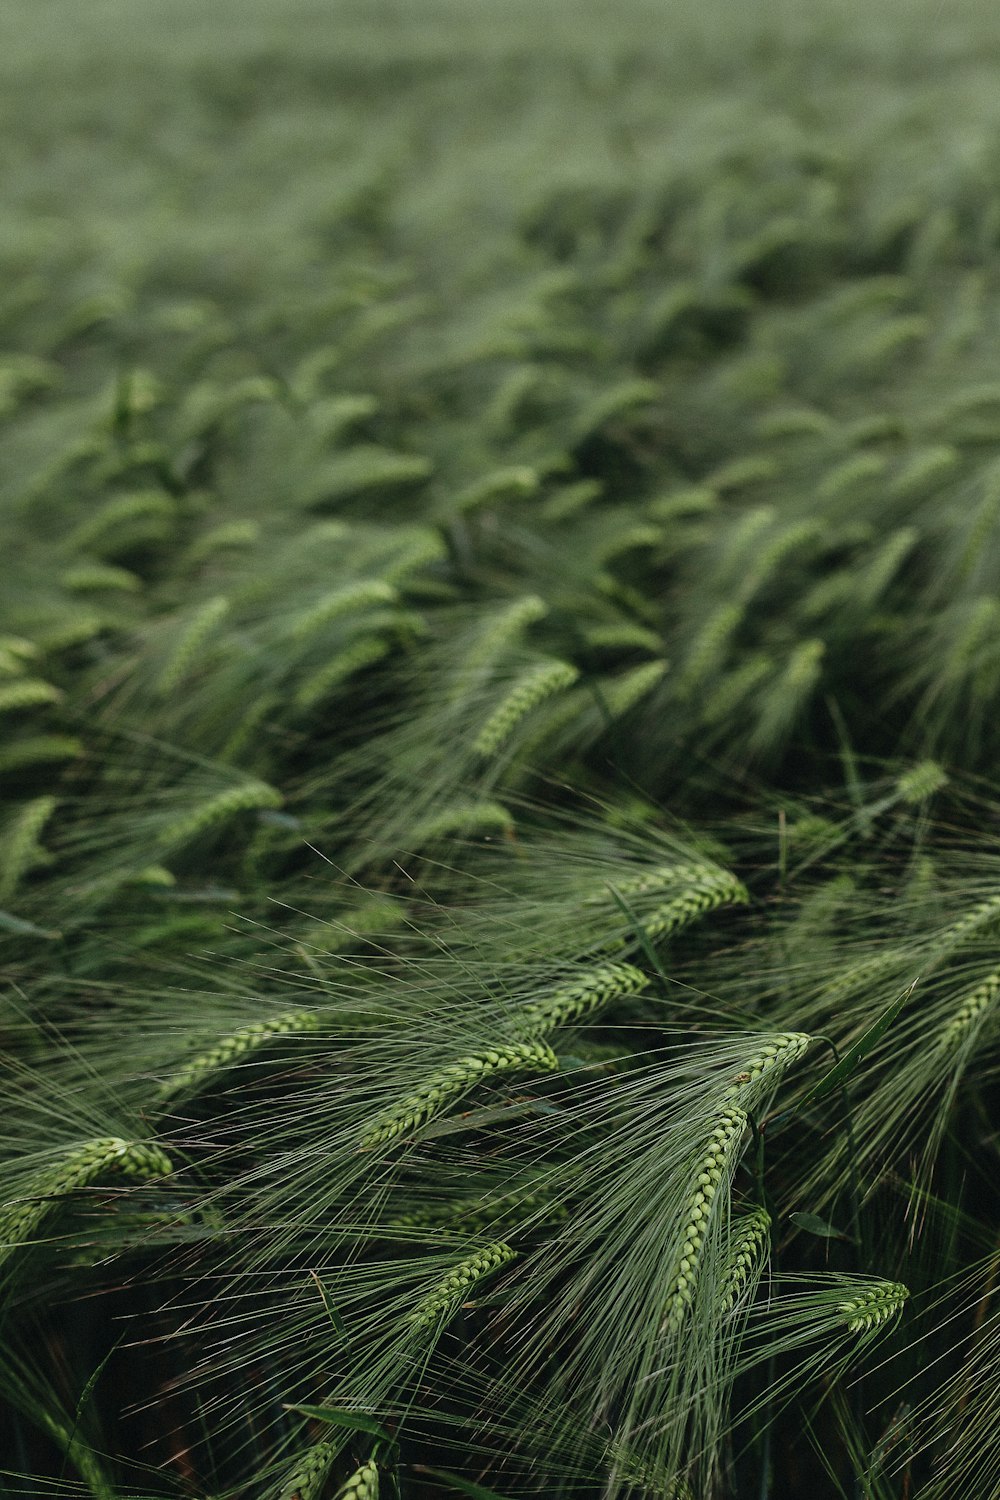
(499, 664)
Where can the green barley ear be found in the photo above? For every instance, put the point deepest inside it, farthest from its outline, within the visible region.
(444, 1301)
(532, 688)
(187, 646)
(362, 1485)
(713, 1171)
(38, 750)
(27, 692)
(308, 1476)
(235, 1049)
(79, 1167)
(921, 782)
(343, 665)
(765, 1068)
(352, 599)
(972, 1009)
(449, 1083)
(569, 1003)
(204, 817)
(874, 1306)
(19, 849)
(750, 1236)
(464, 820)
(707, 891)
(709, 648)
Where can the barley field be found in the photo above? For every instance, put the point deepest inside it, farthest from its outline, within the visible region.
(499, 811)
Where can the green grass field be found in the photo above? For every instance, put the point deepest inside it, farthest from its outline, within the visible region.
(499, 669)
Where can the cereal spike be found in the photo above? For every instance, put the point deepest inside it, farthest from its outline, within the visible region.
(877, 1304)
(19, 850)
(451, 1291)
(247, 796)
(234, 1048)
(581, 997)
(308, 1476)
(450, 1082)
(711, 891)
(748, 1247)
(539, 682)
(981, 998)
(80, 1166)
(714, 1169)
(362, 1485)
(767, 1066)
(189, 643)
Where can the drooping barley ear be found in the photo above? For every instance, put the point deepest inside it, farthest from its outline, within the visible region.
(78, 1167)
(345, 664)
(875, 1306)
(39, 749)
(623, 636)
(652, 880)
(502, 629)
(859, 975)
(189, 643)
(568, 1003)
(19, 849)
(353, 598)
(449, 1083)
(97, 578)
(766, 1067)
(27, 692)
(984, 914)
(749, 1241)
(234, 1049)
(788, 695)
(926, 470)
(543, 680)
(475, 1215)
(709, 648)
(468, 820)
(620, 694)
(969, 1012)
(308, 1476)
(248, 796)
(444, 1301)
(921, 782)
(423, 549)
(713, 1171)
(227, 536)
(718, 889)
(736, 688)
(516, 483)
(362, 1485)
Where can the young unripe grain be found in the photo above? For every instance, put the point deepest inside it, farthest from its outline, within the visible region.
(544, 680)
(453, 1289)
(748, 1245)
(969, 1012)
(570, 1002)
(78, 1167)
(713, 1171)
(362, 1485)
(27, 692)
(873, 1307)
(452, 1081)
(234, 1049)
(189, 643)
(248, 796)
(19, 848)
(767, 1066)
(308, 1476)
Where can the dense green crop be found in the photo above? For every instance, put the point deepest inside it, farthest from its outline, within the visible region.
(499, 658)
